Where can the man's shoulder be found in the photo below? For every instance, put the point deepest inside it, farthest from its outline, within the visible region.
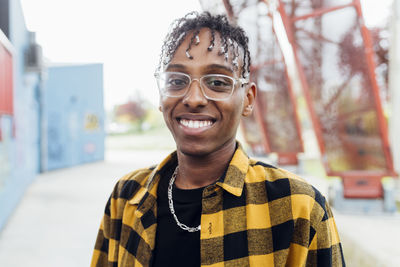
(281, 183)
(128, 184)
(138, 175)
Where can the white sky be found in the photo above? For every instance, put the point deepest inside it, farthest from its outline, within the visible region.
(125, 35)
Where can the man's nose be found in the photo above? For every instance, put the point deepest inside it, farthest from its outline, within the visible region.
(194, 96)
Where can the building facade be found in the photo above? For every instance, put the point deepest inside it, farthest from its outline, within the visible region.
(19, 121)
(49, 117)
(74, 114)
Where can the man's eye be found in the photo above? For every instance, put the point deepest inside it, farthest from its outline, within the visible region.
(219, 83)
(177, 82)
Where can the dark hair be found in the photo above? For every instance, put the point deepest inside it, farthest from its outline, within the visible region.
(231, 37)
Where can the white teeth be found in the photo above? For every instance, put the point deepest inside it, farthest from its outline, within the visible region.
(195, 124)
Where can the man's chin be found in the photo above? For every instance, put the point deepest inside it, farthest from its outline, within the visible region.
(193, 150)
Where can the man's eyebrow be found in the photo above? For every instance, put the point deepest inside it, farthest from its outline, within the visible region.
(176, 66)
(211, 67)
(218, 66)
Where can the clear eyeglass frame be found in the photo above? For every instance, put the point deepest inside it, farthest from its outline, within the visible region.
(163, 92)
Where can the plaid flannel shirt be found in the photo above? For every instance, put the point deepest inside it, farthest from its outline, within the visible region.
(256, 215)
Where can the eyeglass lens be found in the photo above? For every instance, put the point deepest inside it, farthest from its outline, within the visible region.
(214, 86)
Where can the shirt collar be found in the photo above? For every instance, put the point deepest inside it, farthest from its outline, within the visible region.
(232, 181)
(153, 179)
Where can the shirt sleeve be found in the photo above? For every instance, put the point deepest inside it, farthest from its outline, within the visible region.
(325, 248)
(105, 253)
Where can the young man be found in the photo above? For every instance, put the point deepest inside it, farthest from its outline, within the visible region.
(207, 203)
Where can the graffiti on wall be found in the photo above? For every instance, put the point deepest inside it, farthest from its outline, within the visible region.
(92, 122)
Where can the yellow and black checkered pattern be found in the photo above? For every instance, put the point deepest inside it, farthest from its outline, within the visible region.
(256, 215)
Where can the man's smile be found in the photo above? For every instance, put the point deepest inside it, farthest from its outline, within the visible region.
(195, 123)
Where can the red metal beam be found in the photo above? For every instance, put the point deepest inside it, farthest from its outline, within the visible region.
(317, 36)
(320, 12)
(375, 88)
(229, 11)
(258, 111)
(266, 63)
(288, 24)
(292, 100)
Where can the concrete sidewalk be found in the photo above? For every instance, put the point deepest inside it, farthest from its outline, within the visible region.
(56, 223)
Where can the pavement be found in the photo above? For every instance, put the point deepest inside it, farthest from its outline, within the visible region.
(56, 223)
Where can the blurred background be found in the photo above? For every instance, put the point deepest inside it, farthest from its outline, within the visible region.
(79, 109)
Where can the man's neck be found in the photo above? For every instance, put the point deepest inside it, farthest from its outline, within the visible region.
(200, 171)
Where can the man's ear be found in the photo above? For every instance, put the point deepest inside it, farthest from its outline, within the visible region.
(250, 99)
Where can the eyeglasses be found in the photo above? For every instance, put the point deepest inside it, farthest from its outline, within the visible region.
(217, 87)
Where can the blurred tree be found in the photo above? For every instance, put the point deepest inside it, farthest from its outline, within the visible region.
(133, 112)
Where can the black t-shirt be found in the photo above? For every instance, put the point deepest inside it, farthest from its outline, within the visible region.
(175, 246)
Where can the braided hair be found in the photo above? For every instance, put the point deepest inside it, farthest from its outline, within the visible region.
(232, 38)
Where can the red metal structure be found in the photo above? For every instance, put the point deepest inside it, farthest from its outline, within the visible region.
(275, 125)
(252, 133)
(334, 56)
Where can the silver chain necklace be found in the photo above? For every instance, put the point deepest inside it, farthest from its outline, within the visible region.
(171, 205)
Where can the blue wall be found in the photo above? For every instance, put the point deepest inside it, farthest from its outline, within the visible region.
(74, 113)
(19, 159)
(72, 110)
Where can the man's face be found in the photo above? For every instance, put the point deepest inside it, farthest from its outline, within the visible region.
(201, 126)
